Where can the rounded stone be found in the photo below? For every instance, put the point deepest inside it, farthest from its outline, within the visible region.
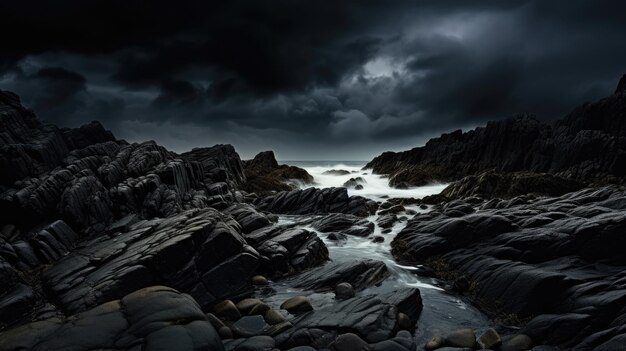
(259, 280)
(227, 310)
(490, 339)
(461, 338)
(246, 305)
(259, 309)
(344, 291)
(434, 343)
(349, 342)
(404, 322)
(297, 304)
(273, 316)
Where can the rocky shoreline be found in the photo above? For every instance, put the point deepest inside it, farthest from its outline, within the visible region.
(588, 146)
(106, 244)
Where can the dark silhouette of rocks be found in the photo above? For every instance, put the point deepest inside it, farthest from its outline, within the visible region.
(588, 145)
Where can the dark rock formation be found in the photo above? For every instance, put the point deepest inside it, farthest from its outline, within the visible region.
(355, 183)
(316, 201)
(507, 185)
(587, 145)
(336, 172)
(88, 179)
(221, 164)
(557, 262)
(263, 174)
(344, 223)
(286, 251)
(199, 251)
(360, 274)
(373, 318)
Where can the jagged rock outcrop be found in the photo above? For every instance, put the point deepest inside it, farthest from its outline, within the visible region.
(153, 318)
(316, 201)
(87, 178)
(263, 174)
(587, 145)
(555, 262)
(221, 164)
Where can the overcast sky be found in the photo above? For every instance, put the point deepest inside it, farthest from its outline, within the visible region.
(311, 80)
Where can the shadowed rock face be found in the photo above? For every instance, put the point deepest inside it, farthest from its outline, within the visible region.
(587, 145)
(264, 174)
(557, 262)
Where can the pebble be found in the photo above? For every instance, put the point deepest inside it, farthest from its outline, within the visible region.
(259, 280)
(259, 309)
(297, 304)
(344, 291)
(273, 316)
(227, 310)
(246, 305)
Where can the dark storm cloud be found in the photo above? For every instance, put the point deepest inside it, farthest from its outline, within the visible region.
(309, 79)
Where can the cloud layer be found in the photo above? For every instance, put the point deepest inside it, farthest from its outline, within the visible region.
(311, 80)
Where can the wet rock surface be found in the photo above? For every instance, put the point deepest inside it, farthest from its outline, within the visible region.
(556, 263)
(316, 201)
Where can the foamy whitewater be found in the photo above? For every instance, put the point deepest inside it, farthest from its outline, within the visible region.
(375, 188)
(442, 311)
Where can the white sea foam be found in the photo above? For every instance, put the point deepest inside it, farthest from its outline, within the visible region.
(375, 188)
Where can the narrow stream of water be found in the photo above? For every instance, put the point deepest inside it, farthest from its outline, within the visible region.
(443, 311)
